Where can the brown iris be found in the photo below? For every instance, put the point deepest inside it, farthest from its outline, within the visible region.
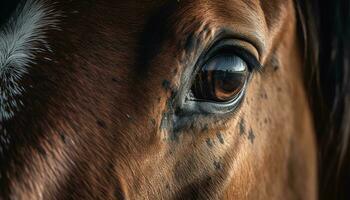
(221, 79)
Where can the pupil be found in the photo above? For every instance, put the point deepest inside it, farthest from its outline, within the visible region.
(228, 84)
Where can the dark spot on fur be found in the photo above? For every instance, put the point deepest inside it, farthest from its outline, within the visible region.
(209, 143)
(153, 122)
(166, 84)
(275, 62)
(175, 71)
(118, 193)
(101, 123)
(205, 128)
(174, 137)
(266, 121)
(63, 137)
(220, 137)
(171, 152)
(209, 179)
(42, 151)
(251, 136)
(217, 165)
(241, 127)
(115, 80)
(279, 89)
(263, 95)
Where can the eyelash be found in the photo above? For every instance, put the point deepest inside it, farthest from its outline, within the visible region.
(252, 62)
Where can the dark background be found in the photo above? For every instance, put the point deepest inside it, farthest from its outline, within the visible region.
(6, 8)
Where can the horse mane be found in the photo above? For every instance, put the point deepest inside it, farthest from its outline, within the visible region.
(325, 29)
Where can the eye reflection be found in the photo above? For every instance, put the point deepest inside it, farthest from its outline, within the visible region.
(221, 79)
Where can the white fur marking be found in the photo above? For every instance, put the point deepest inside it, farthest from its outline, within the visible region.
(20, 39)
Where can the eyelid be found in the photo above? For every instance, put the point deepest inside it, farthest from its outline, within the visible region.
(252, 62)
(241, 48)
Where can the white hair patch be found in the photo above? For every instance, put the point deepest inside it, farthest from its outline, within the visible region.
(21, 38)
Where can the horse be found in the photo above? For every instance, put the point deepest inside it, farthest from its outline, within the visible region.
(175, 99)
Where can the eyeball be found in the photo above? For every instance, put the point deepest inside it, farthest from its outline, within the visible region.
(221, 79)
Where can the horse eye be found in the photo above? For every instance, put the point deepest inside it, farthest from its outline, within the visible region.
(221, 79)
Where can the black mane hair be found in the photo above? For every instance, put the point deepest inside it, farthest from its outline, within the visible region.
(324, 27)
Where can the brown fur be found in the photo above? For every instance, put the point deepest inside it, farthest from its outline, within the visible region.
(92, 127)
